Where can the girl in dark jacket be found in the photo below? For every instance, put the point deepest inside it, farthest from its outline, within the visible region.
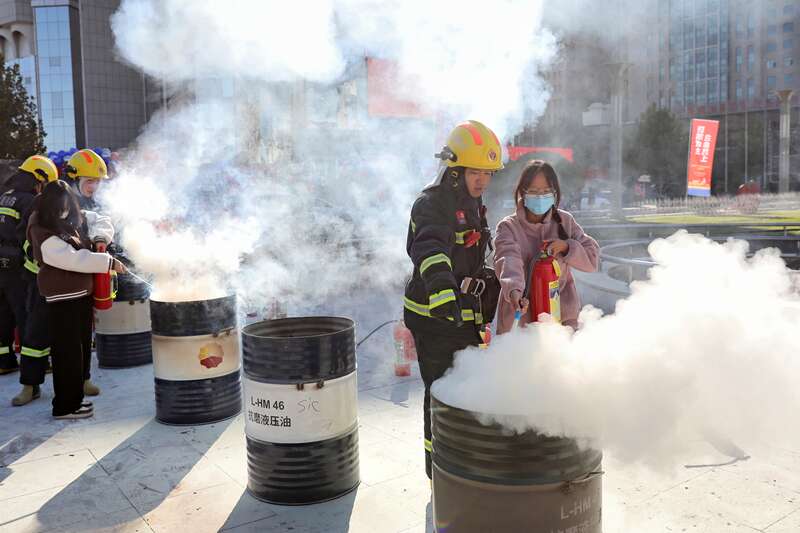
(61, 236)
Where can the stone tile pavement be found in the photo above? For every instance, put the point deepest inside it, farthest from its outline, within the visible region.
(121, 471)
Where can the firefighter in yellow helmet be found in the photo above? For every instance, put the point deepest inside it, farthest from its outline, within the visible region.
(87, 170)
(17, 282)
(452, 294)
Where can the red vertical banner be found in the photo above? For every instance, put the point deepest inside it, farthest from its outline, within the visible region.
(702, 142)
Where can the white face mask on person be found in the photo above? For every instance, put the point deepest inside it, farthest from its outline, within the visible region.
(539, 204)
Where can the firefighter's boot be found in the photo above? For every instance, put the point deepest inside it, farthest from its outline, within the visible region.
(26, 396)
(90, 389)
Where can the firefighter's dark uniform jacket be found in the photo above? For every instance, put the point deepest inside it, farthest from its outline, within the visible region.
(447, 241)
(15, 209)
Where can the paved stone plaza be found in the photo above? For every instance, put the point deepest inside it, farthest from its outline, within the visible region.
(122, 471)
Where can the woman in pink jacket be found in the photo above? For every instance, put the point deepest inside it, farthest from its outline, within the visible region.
(520, 237)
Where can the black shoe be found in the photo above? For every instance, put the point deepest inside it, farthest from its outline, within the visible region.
(83, 412)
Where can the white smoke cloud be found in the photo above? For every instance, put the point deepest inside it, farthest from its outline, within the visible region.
(708, 345)
(268, 40)
(261, 178)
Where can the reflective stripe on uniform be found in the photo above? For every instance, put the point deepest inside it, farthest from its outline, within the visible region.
(467, 315)
(434, 259)
(441, 298)
(30, 264)
(460, 236)
(10, 212)
(31, 352)
(428, 445)
(4, 350)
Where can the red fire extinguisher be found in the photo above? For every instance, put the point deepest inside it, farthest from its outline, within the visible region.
(405, 349)
(486, 336)
(105, 290)
(544, 286)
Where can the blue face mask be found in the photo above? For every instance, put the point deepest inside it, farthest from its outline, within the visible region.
(539, 204)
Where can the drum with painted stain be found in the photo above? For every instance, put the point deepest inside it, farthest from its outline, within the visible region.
(196, 360)
(122, 333)
(301, 412)
(488, 478)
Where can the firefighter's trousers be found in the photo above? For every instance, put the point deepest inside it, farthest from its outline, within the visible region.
(35, 349)
(435, 355)
(13, 295)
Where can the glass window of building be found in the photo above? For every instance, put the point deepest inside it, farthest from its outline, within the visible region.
(771, 47)
(751, 57)
(688, 92)
(772, 82)
(738, 59)
(771, 63)
(739, 94)
(712, 92)
(713, 5)
(788, 79)
(751, 24)
(788, 44)
(712, 63)
(788, 9)
(700, 7)
(700, 34)
(751, 88)
(55, 75)
(700, 92)
(788, 61)
(772, 12)
(739, 26)
(788, 27)
(772, 29)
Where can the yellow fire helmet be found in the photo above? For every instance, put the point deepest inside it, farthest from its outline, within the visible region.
(41, 167)
(86, 164)
(472, 145)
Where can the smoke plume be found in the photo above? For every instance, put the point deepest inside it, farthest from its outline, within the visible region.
(707, 345)
(267, 169)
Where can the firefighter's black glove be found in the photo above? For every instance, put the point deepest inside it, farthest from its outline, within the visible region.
(450, 312)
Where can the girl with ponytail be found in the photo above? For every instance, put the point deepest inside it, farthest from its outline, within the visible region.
(538, 220)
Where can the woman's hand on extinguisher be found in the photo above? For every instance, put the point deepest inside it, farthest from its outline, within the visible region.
(520, 304)
(558, 247)
(119, 267)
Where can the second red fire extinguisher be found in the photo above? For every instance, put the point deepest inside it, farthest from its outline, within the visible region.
(105, 290)
(544, 286)
(405, 349)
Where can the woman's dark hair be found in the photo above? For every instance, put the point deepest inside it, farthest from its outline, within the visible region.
(56, 197)
(531, 169)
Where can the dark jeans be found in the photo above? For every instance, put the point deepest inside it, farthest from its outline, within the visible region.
(435, 356)
(71, 351)
(13, 295)
(35, 339)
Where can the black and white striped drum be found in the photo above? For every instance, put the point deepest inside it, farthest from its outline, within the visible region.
(196, 360)
(122, 333)
(301, 409)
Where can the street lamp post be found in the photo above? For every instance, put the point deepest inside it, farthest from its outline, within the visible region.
(618, 73)
(783, 161)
